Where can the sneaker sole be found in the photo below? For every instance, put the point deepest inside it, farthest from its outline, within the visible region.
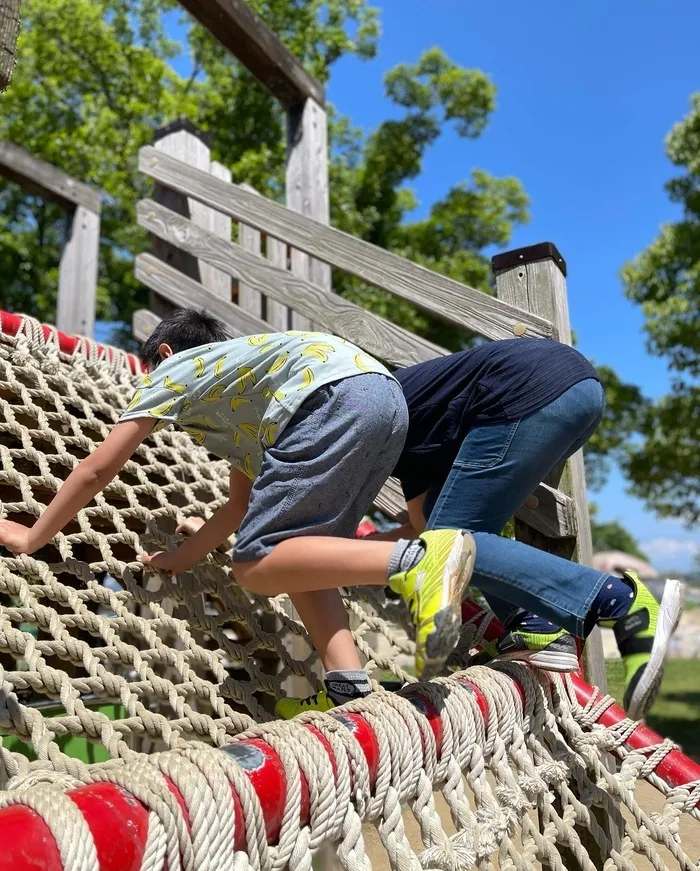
(448, 620)
(561, 662)
(670, 611)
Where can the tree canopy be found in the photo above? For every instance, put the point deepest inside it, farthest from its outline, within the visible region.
(664, 467)
(98, 77)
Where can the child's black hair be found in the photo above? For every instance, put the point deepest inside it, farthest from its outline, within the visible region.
(185, 328)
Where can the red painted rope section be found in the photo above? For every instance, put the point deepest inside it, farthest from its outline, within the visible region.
(10, 324)
(119, 822)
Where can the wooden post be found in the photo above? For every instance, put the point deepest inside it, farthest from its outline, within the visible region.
(534, 279)
(77, 273)
(187, 143)
(307, 185)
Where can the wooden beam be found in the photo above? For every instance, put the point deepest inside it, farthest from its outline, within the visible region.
(550, 512)
(77, 273)
(241, 32)
(250, 240)
(183, 292)
(376, 335)
(434, 293)
(44, 180)
(143, 323)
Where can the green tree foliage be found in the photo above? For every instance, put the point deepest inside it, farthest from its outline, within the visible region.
(665, 280)
(613, 536)
(97, 78)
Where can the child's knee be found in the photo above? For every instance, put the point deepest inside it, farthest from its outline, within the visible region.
(251, 576)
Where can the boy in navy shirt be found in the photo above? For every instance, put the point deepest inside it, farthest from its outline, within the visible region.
(485, 428)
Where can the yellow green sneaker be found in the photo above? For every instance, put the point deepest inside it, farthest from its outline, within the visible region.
(551, 651)
(286, 709)
(642, 637)
(433, 590)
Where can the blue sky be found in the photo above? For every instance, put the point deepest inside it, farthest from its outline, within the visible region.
(586, 95)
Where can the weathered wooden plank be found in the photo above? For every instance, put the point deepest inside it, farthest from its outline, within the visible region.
(337, 315)
(278, 314)
(143, 323)
(183, 292)
(539, 281)
(242, 33)
(220, 225)
(445, 298)
(307, 182)
(181, 140)
(77, 273)
(250, 240)
(45, 180)
(550, 512)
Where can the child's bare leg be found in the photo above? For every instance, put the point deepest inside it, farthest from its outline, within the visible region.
(302, 565)
(324, 616)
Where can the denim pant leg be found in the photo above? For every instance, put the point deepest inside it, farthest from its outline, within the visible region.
(496, 469)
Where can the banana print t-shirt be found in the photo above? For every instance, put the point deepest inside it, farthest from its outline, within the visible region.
(234, 398)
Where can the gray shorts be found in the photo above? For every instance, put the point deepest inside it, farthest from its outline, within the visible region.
(327, 466)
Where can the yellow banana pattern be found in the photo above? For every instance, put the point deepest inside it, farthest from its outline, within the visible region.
(307, 378)
(235, 398)
(169, 384)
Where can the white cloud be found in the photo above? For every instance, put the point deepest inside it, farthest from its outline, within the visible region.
(678, 553)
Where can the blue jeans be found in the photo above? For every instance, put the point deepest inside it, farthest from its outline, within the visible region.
(497, 467)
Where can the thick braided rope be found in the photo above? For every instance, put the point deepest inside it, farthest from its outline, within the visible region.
(197, 659)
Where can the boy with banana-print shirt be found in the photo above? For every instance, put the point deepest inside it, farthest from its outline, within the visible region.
(312, 427)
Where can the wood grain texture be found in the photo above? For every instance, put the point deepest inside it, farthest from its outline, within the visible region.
(143, 323)
(241, 32)
(337, 315)
(443, 297)
(77, 274)
(220, 225)
(9, 31)
(45, 180)
(183, 292)
(306, 181)
(188, 148)
(278, 314)
(250, 240)
(541, 287)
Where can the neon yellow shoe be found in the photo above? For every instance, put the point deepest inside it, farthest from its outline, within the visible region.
(642, 637)
(433, 591)
(286, 709)
(551, 651)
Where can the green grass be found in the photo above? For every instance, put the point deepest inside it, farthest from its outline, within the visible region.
(676, 712)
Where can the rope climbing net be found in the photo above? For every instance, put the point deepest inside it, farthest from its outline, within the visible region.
(490, 767)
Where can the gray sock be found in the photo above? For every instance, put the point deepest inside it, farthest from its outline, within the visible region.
(405, 555)
(344, 685)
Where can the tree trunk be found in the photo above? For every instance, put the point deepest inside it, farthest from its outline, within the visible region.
(9, 31)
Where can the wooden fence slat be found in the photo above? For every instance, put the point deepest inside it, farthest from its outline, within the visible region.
(143, 323)
(77, 273)
(44, 179)
(278, 314)
(184, 292)
(220, 225)
(339, 316)
(250, 240)
(443, 297)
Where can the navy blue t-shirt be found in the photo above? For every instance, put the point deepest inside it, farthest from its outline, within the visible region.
(493, 383)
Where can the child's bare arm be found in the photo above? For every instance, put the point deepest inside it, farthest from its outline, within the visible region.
(211, 534)
(90, 476)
